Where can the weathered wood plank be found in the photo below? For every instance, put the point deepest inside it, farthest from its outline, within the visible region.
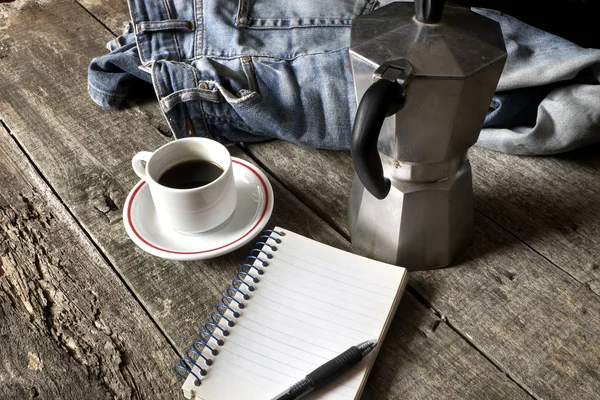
(32, 364)
(305, 177)
(85, 153)
(113, 14)
(551, 203)
(501, 294)
(532, 319)
(68, 327)
(423, 358)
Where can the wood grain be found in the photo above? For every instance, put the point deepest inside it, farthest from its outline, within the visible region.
(322, 180)
(423, 358)
(68, 327)
(517, 308)
(85, 153)
(113, 14)
(551, 203)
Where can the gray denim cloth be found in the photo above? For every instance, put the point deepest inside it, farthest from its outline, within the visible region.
(252, 70)
(112, 77)
(548, 97)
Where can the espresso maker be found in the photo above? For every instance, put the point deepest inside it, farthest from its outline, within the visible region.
(424, 83)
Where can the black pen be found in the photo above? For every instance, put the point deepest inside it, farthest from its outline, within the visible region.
(328, 371)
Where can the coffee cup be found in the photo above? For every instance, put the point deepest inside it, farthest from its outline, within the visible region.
(191, 183)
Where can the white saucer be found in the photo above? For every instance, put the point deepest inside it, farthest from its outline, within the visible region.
(254, 207)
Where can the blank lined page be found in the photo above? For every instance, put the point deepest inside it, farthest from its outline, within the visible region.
(312, 303)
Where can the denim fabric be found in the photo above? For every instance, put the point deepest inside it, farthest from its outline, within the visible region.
(251, 70)
(236, 70)
(112, 77)
(548, 97)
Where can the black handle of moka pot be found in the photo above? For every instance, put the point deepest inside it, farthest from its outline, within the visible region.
(382, 99)
(429, 11)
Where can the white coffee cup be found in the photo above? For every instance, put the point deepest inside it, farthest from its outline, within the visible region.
(192, 210)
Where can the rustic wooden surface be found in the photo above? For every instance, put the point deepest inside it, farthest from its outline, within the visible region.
(549, 203)
(511, 320)
(69, 328)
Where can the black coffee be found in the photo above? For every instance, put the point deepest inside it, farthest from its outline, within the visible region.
(190, 174)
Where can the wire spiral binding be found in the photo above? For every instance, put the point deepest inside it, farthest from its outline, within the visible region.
(226, 312)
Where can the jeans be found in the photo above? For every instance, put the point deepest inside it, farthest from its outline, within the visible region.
(253, 70)
(548, 97)
(112, 77)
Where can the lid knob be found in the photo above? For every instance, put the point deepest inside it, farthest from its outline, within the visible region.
(429, 11)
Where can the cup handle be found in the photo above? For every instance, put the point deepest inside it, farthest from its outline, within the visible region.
(139, 162)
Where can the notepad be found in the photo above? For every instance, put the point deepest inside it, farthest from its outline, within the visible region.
(296, 304)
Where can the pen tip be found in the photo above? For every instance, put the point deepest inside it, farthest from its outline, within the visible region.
(367, 346)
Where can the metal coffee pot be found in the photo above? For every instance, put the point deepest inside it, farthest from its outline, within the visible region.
(424, 84)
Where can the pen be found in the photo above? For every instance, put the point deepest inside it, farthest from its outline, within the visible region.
(328, 371)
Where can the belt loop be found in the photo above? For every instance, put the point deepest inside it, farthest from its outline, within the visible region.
(155, 26)
(170, 101)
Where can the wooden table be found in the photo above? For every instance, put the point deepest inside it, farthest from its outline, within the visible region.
(86, 314)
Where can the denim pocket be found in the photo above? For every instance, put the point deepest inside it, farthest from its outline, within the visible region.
(283, 14)
(309, 100)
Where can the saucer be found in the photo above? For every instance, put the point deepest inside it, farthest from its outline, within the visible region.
(254, 207)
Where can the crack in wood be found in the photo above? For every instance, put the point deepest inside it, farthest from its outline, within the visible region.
(47, 300)
(305, 199)
(539, 253)
(96, 18)
(6, 128)
(164, 132)
(141, 105)
(102, 192)
(108, 206)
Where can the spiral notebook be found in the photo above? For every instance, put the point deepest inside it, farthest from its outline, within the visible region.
(295, 304)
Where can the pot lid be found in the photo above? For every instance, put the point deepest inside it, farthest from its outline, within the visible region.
(456, 47)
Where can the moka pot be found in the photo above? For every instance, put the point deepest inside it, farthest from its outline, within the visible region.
(424, 83)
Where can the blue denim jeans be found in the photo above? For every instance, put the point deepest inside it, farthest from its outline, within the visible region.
(252, 70)
(548, 97)
(112, 77)
(236, 71)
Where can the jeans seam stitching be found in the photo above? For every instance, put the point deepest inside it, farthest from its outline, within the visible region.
(138, 40)
(195, 48)
(203, 33)
(242, 11)
(178, 97)
(202, 112)
(297, 18)
(249, 102)
(274, 27)
(154, 26)
(187, 60)
(249, 71)
(173, 33)
(91, 86)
